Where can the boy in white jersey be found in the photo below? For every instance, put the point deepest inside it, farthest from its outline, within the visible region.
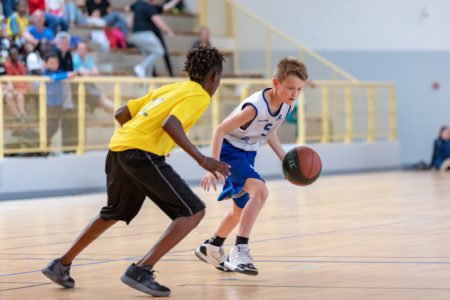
(237, 139)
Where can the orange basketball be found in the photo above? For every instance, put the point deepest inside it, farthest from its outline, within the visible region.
(302, 166)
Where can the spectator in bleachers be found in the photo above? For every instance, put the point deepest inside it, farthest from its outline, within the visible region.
(112, 18)
(69, 107)
(441, 150)
(8, 7)
(35, 60)
(203, 38)
(34, 33)
(160, 9)
(54, 15)
(15, 100)
(146, 20)
(54, 93)
(16, 24)
(86, 67)
(73, 12)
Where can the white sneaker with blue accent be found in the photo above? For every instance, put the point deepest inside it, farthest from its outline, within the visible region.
(240, 260)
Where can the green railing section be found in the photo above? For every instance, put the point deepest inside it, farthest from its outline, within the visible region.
(333, 111)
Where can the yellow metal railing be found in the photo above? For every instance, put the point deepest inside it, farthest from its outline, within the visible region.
(364, 111)
(231, 20)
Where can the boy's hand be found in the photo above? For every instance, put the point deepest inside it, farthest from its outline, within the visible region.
(218, 170)
(212, 178)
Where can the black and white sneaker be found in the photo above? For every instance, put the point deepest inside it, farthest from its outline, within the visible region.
(212, 255)
(142, 279)
(59, 273)
(240, 260)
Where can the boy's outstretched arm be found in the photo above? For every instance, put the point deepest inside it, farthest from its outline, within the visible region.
(275, 144)
(173, 128)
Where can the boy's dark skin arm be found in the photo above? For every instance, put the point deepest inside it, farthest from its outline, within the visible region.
(122, 115)
(173, 128)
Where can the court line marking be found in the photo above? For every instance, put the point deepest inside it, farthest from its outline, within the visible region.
(264, 240)
(315, 287)
(25, 287)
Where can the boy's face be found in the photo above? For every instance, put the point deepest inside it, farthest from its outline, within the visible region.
(52, 64)
(289, 89)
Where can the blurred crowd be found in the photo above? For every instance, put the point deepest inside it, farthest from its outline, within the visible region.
(35, 40)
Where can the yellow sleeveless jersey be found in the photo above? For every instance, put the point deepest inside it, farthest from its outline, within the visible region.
(185, 100)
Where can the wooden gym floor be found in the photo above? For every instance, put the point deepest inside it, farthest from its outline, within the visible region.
(359, 236)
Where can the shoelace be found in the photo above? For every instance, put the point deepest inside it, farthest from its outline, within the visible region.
(219, 255)
(243, 256)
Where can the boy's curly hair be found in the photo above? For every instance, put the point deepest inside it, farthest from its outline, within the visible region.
(200, 61)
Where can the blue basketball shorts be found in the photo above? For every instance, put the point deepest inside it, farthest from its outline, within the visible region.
(242, 168)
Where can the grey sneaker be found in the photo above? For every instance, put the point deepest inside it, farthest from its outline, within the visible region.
(59, 273)
(212, 255)
(142, 279)
(240, 260)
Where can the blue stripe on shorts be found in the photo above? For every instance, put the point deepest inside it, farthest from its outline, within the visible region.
(242, 167)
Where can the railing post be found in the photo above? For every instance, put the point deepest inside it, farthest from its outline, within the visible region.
(244, 91)
(2, 141)
(228, 27)
(151, 86)
(371, 111)
(43, 116)
(81, 149)
(325, 122)
(393, 121)
(301, 120)
(268, 54)
(234, 18)
(301, 55)
(215, 114)
(117, 100)
(348, 115)
(203, 13)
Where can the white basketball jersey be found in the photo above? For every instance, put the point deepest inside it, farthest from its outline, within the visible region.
(261, 127)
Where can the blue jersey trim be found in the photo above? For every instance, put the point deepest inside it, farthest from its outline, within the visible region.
(267, 104)
(290, 107)
(243, 106)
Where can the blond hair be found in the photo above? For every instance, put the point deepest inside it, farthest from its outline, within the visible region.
(290, 66)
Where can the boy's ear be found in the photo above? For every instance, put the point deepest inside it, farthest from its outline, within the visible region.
(275, 83)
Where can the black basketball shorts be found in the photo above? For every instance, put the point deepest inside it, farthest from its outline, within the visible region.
(132, 175)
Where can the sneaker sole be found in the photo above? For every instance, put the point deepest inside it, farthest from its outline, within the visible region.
(250, 272)
(140, 287)
(205, 259)
(49, 274)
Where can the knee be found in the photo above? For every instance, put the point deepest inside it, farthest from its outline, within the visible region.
(196, 218)
(260, 195)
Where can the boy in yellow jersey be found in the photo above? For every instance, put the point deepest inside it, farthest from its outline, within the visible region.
(136, 168)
